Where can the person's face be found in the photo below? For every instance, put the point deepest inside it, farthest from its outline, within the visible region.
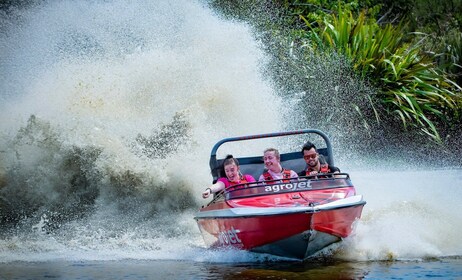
(270, 160)
(232, 172)
(311, 157)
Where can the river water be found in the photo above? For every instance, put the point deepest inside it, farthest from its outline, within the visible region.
(108, 113)
(136, 269)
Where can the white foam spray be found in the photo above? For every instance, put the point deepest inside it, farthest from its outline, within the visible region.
(108, 112)
(114, 100)
(409, 215)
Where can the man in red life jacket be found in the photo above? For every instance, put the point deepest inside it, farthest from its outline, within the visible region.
(315, 163)
(274, 170)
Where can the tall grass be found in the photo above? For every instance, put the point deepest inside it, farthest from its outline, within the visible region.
(411, 86)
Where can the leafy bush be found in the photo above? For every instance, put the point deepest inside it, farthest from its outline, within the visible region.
(412, 87)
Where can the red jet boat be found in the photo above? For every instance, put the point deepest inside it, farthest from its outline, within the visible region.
(294, 219)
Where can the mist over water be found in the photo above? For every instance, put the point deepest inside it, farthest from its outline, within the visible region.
(108, 113)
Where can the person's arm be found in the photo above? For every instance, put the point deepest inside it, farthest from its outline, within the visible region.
(218, 186)
(249, 178)
(293, 174)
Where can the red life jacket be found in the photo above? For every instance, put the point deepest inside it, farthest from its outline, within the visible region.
(285, 174)
(242, 180)
(324, 169)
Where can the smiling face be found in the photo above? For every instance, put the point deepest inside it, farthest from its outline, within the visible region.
(232, 172)
(271, 160)
(311, 157)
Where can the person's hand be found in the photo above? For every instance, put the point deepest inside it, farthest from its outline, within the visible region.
(207, 193)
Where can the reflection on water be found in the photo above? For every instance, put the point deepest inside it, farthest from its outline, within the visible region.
(450, 268)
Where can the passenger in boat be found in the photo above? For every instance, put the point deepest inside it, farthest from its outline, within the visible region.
(315, 163)
(233, 177)
(274, 170)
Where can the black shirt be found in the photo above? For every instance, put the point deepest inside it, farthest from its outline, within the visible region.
(332, 169)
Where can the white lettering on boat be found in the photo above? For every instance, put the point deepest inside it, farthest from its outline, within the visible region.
(288, 186)
(228, 237)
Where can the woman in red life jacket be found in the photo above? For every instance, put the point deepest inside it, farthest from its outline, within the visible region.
(274, 170)
(233, 177)
(315, 163)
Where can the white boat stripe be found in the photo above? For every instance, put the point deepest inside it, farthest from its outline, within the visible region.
(265, 211)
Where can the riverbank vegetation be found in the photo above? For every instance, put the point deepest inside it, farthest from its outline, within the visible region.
(405, 54)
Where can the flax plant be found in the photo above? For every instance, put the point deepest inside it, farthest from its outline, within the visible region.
(411, 87)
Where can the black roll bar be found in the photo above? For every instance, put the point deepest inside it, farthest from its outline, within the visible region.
(213, 156)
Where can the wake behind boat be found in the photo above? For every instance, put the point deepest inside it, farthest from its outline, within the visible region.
(293, 218)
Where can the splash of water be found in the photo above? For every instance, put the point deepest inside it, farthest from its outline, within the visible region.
(109, 111)
(409, 215)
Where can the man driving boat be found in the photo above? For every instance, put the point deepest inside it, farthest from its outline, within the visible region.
(315, 163)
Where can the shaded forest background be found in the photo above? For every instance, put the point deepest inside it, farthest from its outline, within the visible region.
(382, 76)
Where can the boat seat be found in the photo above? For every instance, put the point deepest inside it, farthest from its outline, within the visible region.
(255, 166)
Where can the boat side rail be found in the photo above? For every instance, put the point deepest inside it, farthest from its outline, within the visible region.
(320, 176)
(303, 183)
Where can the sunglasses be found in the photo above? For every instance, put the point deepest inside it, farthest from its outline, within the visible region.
(312, 156)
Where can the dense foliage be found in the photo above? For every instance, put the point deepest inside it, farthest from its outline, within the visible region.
(408, 50)
(411, 86)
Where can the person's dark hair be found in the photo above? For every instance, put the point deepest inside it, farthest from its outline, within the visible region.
(230, 159)
(308, 146)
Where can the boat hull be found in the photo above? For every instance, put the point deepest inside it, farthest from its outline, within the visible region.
(292, 232)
